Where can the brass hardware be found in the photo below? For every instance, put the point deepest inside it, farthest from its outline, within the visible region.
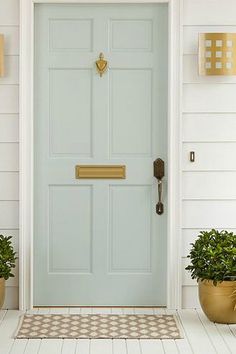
(100, 171)
(192, 156)
(217, 54)
(159, 172)
(101, 65)
(1, 55)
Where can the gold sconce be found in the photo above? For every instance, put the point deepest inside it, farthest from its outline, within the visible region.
(1, 55)
(217, 54)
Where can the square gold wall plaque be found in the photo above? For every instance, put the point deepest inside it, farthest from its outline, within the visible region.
(1, 55)
(217, 54)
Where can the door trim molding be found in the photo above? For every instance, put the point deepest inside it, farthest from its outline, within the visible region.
(174, 284)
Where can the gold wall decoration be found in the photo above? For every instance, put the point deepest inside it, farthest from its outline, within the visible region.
(217, 54)
(1, 55)
(100, 171)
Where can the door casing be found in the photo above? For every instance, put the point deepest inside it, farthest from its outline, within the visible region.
(26, 110)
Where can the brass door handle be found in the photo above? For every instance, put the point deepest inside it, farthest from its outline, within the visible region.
(159, 172)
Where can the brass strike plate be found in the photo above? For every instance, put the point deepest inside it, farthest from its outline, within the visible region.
(100, 171)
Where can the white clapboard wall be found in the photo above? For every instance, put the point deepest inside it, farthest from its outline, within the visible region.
(9, 135)
(209, 128)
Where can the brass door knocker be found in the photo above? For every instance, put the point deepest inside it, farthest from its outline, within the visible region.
(101, 65)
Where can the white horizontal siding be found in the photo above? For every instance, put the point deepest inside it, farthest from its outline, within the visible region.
(11, 76)
(9, 12)
(9, 137)
(9, 214)
(209, 98)
(209, 214)
(9, 128)
(212, 185)
(9, 99)
(210, 156)
(209, 127)
(186, 276)
(9, 160)
(11, 298)
(9, 185)
(190, 297)
(211, 12)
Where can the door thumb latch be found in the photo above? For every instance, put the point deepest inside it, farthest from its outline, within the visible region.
(159, 172)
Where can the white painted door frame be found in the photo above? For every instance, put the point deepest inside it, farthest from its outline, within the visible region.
(174, 284)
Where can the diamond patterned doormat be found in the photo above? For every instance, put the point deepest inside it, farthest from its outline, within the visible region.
(99, 326)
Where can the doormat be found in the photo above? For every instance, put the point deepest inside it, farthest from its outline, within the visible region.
(99, 326)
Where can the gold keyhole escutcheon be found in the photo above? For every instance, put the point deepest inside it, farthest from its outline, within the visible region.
(101, 64)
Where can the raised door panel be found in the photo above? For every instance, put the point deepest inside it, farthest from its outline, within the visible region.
(71, 111)
(71, 34)
(131, 112)
(70, 229)
(130, 229)
(131, 35)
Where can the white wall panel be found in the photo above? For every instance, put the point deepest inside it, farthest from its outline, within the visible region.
(9, 136)
(210, 156)
(209, 185)
(9, 214)
(9, 160)
(190, 297)
(209, 127)
(9, 12)
(209, 98)
(9, 128)
(211, 12)
(11, 75)
(209, 214)
(9, 186)
(188, 236)
(186, 275)
(11, 298)
(9, 99)
(190, 35)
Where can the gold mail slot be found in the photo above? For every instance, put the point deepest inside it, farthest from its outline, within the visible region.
(100, 171)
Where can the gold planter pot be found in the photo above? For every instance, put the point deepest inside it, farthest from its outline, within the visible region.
(2, 291)
(218, 302)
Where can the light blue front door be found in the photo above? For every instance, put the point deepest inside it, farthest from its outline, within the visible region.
(99, 241)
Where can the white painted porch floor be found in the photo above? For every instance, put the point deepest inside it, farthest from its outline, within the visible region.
(201, 336)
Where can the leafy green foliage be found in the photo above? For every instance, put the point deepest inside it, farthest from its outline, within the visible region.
(7, 257)
(213, 256)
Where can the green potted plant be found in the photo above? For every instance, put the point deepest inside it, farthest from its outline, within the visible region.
(213, 264)
(7, 262)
